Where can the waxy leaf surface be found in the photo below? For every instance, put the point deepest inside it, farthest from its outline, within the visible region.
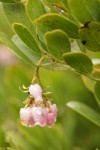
(26, 36)
(58, 43)
(54, 21)
(79, 61)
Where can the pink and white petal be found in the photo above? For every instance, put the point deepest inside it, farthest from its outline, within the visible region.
(54, 108)
(31, 122)
(35, 90)
(25, 114)
(50, 119)
(36, 114)
(43, 120)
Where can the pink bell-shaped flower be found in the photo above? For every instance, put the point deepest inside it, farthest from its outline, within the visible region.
(50, 119)
(52, 115)
(26, 117)
(54, 110)
(39, 115)
(43, 120)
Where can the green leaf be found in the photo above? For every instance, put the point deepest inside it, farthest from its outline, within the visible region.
(16, 13)
(33, 56)
(79, 61)
(9, 1)
(26, 36)
(54, 21)
(97, 92)
(90, 36)
(57, 42)
(35, 9)
(85, 111)
(85, 10)
(22, 53)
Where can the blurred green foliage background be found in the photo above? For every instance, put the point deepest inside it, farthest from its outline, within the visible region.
(71, 132)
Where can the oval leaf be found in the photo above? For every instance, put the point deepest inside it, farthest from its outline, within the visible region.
(85, 111)
(90, 36)
(97, 92)
(32, 6)
(33, 56)
(54, 21)
(22, 53)
(79, 61)
(57, 42)
(26, 36)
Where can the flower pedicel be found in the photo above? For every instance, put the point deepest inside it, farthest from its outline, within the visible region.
(38, 112)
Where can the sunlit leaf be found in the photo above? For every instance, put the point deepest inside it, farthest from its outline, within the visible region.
(54, 21)
(90, 36)
(26, 36)
(34, 8)
(85, 111)
(79, 61)
(57, 42)
(85, 10)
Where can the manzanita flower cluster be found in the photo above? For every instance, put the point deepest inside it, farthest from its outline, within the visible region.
(39, 111)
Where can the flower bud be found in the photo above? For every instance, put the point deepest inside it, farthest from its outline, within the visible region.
(36, 91)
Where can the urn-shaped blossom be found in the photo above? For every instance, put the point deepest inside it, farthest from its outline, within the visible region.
(26, 117)
(39, 115)
(52, 115)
